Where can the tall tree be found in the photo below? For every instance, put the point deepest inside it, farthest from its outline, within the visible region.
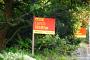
(8, 15)
(63, 10)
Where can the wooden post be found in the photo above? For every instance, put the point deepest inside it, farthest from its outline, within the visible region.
(33, 44)
(89, 31)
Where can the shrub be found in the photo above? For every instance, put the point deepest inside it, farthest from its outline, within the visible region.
(49, 43)
(24, 44)
(61, 46)
(15, 56)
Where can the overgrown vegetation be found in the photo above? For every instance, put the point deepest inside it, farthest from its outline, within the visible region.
(47, 43)
(16, 18)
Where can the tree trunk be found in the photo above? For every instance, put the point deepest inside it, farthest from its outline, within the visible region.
(2, 39)
(8, 15)
(8, 8)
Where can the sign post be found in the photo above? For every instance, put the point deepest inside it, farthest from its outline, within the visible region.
(32, 44)
(88, 48)
(42, 26)
(89, 31)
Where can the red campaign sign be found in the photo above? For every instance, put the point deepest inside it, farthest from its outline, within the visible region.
(81, 33)
(44, 25)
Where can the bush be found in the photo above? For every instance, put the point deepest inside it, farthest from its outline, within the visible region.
(15, 56)
(25, 44)
(55, 43)
(49, 43)
(54, 56)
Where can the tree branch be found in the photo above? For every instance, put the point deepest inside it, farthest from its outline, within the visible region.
(1, 5)
(16, 32)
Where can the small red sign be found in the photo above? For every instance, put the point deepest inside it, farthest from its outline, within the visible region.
(81, 33)
(44, 25)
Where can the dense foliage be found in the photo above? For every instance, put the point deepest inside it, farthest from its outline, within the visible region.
(16, 17)
(47, 44)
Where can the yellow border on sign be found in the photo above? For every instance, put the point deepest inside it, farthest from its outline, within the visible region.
(43, 32)
(80, 36)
